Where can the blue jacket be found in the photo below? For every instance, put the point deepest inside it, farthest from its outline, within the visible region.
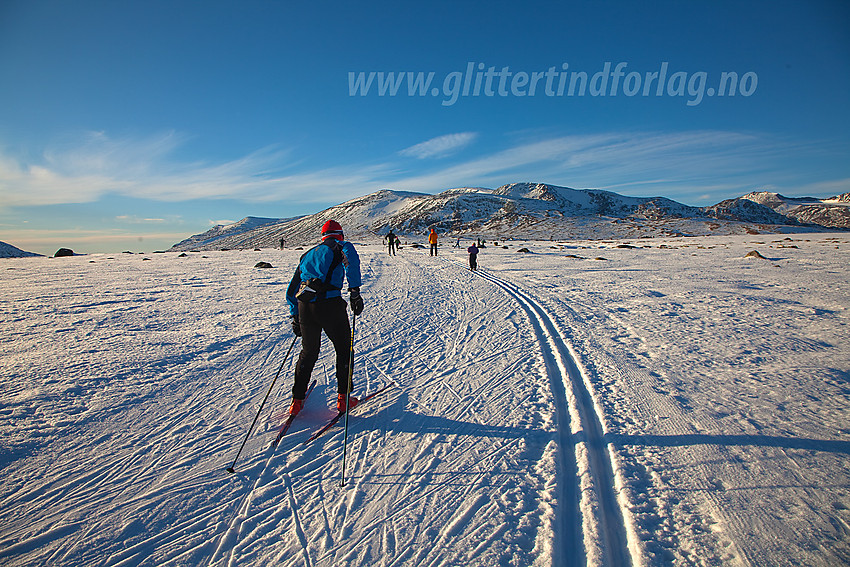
(316, 262)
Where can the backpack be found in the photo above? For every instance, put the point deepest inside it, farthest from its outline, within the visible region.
(316, 288)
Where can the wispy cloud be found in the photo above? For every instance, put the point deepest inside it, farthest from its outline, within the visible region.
(133, 219)
(440, 146)
(97, 165)
(634, 162)
(693, 163)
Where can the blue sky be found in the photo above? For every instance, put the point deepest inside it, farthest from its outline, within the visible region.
(131, 125)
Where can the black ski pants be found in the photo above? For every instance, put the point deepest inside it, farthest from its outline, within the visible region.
(330, 316)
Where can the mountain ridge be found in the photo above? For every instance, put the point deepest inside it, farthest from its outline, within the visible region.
(9, 251)
(833, 212)
(517, 210)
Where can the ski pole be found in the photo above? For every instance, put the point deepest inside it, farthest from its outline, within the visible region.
(256, 417)
(347, 396)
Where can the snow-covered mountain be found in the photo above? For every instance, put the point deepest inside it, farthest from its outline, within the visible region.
(220, 233)
(9, 251)
(833, 212)
(518, 210)
(746, 210)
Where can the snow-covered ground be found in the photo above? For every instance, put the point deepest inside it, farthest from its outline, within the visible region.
(668, 403)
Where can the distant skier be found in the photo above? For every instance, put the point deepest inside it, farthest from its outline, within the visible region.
(391, 242)
(282, 243)
(473, 257)
(432, 239)
(316, 305)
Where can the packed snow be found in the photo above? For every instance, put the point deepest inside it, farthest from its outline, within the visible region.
(645, 402)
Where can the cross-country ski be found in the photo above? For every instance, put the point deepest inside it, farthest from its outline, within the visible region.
(335, 419)
(288, 423)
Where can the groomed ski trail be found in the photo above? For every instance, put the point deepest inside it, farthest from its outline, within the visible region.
(453, 466)
(582, 433)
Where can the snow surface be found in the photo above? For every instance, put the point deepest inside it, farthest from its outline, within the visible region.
(654, 402)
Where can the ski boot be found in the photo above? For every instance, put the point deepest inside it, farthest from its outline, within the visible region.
(296, 406)
(340, 402)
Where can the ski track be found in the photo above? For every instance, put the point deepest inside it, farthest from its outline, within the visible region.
(296, 522)
(609, 516)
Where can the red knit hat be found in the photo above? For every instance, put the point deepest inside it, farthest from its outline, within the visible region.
(332, 229)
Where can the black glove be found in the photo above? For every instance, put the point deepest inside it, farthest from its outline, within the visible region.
(296, 326)
(356, 300)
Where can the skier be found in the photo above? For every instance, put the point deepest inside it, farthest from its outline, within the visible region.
(391, 240)
(316, 305)
(473, 257)
(432, 238)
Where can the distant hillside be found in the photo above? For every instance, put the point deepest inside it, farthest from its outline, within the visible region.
(9, 251)
(745, 210)
(227, 233)
(833, 212)
(519, 210)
